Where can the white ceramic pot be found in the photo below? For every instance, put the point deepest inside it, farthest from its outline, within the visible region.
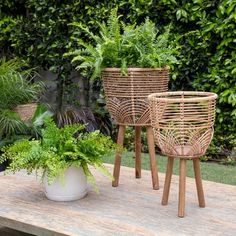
(74, 186)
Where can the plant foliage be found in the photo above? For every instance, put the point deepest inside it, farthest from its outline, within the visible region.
(16, 86)
(59, 149)
(123, 45)
(10, 123)
(70, 115)
(41, 32)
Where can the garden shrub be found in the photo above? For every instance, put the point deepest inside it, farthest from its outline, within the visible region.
(39, 32)
(213, 49)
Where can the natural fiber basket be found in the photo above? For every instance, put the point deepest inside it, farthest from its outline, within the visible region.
(183, 122)
(26, 111)
(126, 95)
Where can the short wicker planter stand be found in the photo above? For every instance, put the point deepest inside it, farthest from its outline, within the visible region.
(126, 100)
(183, 127)
(26, 111)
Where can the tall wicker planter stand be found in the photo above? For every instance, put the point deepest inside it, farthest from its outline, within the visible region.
(183, 127)
(126, 100)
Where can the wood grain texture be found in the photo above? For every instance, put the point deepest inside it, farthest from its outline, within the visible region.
(132, 209)
(166, 191)
(182, 187)
(198, 179)
(152, 155)
(120, 141)
(4, 231)
(138, 151)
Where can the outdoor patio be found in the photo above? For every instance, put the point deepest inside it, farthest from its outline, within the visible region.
(132, 208)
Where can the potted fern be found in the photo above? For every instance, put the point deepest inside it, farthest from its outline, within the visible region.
(133, 62)
(63, 155)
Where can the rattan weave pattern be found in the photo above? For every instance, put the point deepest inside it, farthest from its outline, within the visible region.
(183, 122)
(26, 111)
(126, 95)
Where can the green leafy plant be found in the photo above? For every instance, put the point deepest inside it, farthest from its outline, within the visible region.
(123, 45)
(34, 125)
(16, 85)
(13, 129)
(59, 149)
(10, 123)
(40, 32)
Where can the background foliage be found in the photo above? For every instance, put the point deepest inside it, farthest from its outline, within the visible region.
(39, 32)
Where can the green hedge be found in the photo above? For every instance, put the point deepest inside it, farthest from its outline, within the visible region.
(39, 32)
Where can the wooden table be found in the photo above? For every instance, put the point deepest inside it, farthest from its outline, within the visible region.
(133, 208)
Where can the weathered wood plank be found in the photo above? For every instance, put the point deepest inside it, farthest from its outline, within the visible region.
(132, 208)
(4, 231)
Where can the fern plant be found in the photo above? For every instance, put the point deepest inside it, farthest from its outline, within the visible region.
(59, 149)
(120, 45)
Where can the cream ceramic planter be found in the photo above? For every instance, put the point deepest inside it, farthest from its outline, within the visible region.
(73, 188)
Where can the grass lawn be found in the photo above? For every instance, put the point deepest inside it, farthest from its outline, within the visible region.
(210, 171)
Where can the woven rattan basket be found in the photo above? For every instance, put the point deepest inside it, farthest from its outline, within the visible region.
(126, 95)
(26, 111)
(183, 122)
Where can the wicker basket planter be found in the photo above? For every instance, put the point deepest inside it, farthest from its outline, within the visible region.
(126, 96)
(183, 122)
(26, 111)
(183, 127)
(126, 100)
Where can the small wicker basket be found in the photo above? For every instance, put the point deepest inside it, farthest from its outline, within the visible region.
(126, 95)
(26, 111)
(183, 122)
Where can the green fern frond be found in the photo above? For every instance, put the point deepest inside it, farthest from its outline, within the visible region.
(122, 45)
(113, 24)
(86, 31)
(104, 31)
(162, 39)
(59, 149)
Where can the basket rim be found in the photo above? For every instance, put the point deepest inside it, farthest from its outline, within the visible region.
(130, 69)
(27, 105)
(199, 96)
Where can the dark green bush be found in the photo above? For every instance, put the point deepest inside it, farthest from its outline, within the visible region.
(39, 31)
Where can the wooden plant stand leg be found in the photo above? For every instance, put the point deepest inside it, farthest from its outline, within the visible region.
(169, 170)
(182, 185)
(120, 141)
(138, 151)
(198, 179)
(152, 154)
